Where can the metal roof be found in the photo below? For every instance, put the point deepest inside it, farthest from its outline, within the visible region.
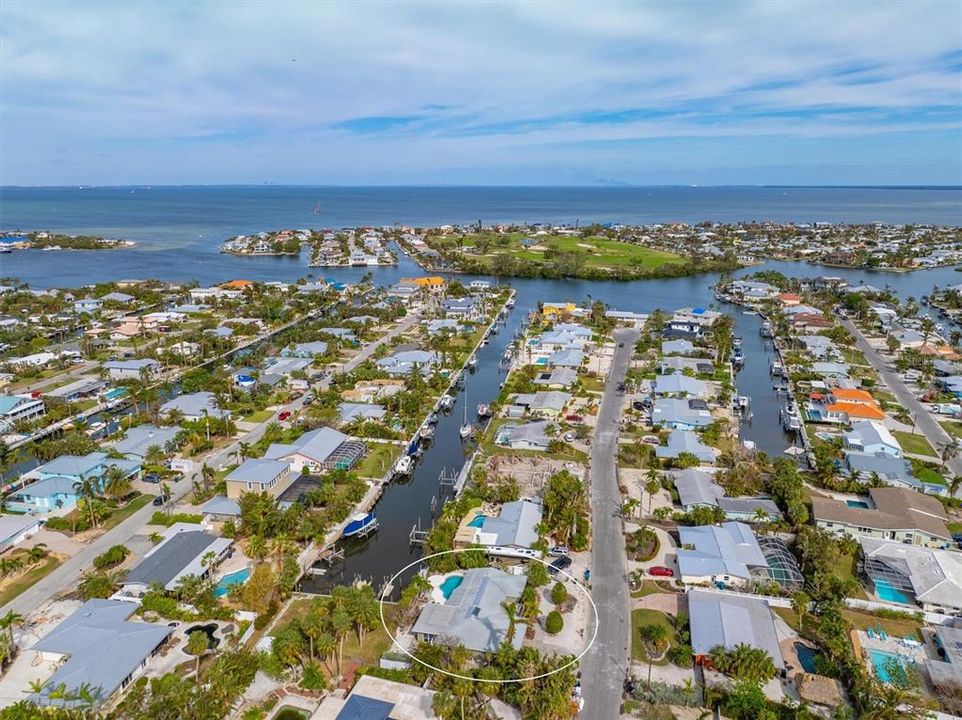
(178, 555)
(726, 619)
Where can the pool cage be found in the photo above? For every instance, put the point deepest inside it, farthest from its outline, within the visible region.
(346, 456)
(782, 567)
(893, 573)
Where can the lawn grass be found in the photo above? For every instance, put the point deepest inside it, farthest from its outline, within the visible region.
(648, 587)
(896, 627)
(379, 459)
(29, 579)
(954, 527)
(259, 417)
(927, 474)
(914, 444)
(592, 384)
(121, 514)
(952, 427)
(846, 570)
(643, 616)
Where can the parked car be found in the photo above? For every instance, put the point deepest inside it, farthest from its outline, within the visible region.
(152, 478)
(638, 405)
(284, 415)
(561, 563)
(574, 419)
(558, 551)
(569, 437)
(661, 571)
(159, 500)
(308, 400)
(621, 344)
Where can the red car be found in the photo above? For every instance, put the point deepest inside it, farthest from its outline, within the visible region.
(284, 415)
(574, 419)
(661, 571)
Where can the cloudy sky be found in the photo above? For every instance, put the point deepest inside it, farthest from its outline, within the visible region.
(494, 93)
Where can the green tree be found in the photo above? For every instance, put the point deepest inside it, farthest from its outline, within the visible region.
(197, 645)
(655, 640)
(558, 593)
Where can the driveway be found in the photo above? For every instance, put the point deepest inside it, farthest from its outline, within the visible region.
(605, 665)
(924, 421)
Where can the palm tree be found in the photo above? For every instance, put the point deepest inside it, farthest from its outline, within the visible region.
(8, 622)
(654, 638)
(116, 482)
(652, 485)
(37, 553)
(800, 602)
(197, 645)
(155, 455)
(207, 474)
(949, 451)
(88, 488)
(341, 624)
(954, 484)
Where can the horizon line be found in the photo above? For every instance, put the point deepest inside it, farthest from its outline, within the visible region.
(604, 186)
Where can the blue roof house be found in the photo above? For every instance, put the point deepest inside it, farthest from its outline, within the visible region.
(56, 482)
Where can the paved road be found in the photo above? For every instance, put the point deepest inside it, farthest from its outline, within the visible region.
(67, 575)
(605, 664)
(924, 421)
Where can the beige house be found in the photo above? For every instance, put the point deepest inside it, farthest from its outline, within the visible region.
(893, 513)
(257, 475)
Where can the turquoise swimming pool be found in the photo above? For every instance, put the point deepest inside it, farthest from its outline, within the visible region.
(806, 656)
(228, 581)
(450, 584)
(886, 591)
(115, 393)
(885, 664)
(477, 521)
(857, 504)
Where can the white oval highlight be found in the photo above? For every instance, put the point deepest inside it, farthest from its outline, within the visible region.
(418, 660)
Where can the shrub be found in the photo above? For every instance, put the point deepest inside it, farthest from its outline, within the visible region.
(680, 655)
(114, 556)
(558, 593)
(162, 518)
(313, 678)
(554, 622)
(537, 574)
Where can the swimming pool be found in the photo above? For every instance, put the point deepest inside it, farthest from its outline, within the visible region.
(478, 521)
(885, 664)
(228, 581)
(806, 657)
(886, 591)
(857, 504)
(450, 584)
(115, 393)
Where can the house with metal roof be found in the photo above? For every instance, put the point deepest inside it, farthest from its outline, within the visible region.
(78, 389)
(194, 406)
(131, 369)
(699, 489)
(686, 441)
(515, 526)
(872, 437)
(403, 362)
(887, 468)
(678, 364)
(680, 385)
(349, 411)
(526, 436)
(928, 577)
(677, 347)
(137, 440)
(890, 513)
(545, 403)
(99, 648)
(14, 408)
(259, 475)
(186, 549)
(14, 529)
(680, 414)
(557, 379)
(321, 449)
(474, 615)
(726, 554)
(727, 620)
(55, 484)
(306, 350)
(565, 358)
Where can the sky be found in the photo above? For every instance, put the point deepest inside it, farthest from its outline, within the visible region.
(499, 93)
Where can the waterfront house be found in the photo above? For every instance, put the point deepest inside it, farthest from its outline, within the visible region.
(474, 614)
(87, 305)
(699, 489)
(872, 437)
(132, 369)
(78, 389)
(565, 358)
(367, 391)
(843, 405)
(889, 513)
(546, 403)
(728, 620)
(345, 334)
(513, 528)
(677, 347)
(194, 406)
(820, 347)
(680, 385)
(831, 370)
(723, 555)
(557, 379)
(306, 350)
(350, 412)
(118, 297)
(444, 325)
(96, 648)
(693, 322)
(557, 310)
(675, 364)
(374, 698)
(464, 308)
(905, 574)
(138, 440)
(321, 449)
(14, 408)
(403, 362)
(887, 468)
(680, 414)
(186, 549)
(527, 436)
(686, 441)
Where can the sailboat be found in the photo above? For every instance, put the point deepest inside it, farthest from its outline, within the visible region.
(466, 428)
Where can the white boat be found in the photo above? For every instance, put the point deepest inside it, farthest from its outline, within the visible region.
(427, 432)
(403, 465)
(447, 402)
(360, 524)
(466, 429)
(96, 428)
(510, 303)
(472, 362)
(484, 410)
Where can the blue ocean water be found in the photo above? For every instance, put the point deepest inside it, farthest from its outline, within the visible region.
(178, 229)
